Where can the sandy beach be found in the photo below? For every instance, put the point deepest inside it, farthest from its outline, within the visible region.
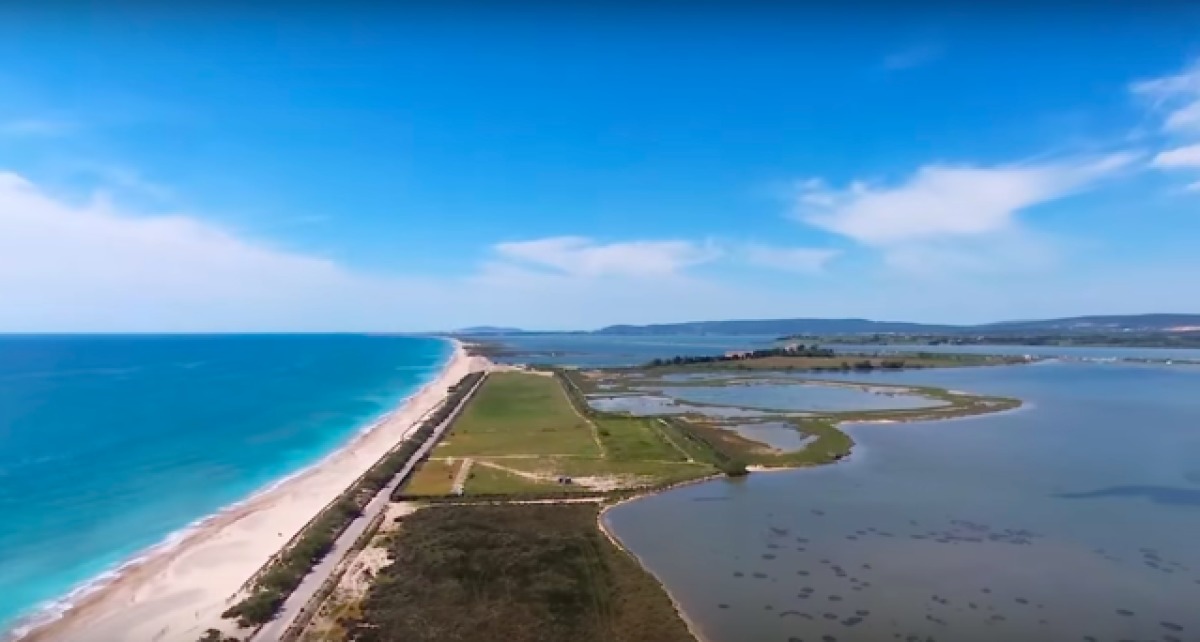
(178, 594)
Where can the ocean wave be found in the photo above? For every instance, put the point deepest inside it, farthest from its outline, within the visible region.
(50, 611)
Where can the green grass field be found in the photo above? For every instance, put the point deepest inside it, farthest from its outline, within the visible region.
(635, 439)
(519, 414)
(433, 477)
(527, 422)
(485, 480)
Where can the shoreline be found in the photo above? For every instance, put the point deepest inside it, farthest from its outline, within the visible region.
(691, 624)
(696, 631)
(177, 589)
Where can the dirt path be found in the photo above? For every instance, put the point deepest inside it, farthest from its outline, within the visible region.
(519, 473)
(461, 478)
(592, 425)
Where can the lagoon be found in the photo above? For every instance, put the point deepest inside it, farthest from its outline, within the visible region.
(1074, 516)
(801, 397)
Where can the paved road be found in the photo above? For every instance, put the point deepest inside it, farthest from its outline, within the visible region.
(313, 582)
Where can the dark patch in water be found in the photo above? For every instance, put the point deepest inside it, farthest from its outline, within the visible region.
(1125, 612)
(829, 616)
(1171, 626)
(1167, 495)
(767, 556)
(738, 574)
(722, 606)
(761, 576)
(835, 598)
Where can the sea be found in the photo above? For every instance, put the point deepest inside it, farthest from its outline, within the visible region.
(112, 447)
(1074, 517)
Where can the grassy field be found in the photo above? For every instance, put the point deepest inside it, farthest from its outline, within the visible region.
(485, 480)
(433, 477)
(830, 444)
(635, 439)
(530, 425)
(519, 414)
(518, 573)
(647, 471)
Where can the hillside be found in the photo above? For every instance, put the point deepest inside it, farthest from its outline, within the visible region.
(1142, 323)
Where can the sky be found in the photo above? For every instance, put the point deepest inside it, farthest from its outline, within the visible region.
(206, 168)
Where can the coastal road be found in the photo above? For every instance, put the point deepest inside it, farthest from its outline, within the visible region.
(300, 598)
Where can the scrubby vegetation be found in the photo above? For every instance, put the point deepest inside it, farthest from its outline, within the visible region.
(518, 573)
(788, 351)
(816, 359)
(283, 574)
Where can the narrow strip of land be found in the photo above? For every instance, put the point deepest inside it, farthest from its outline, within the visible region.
(295, 604)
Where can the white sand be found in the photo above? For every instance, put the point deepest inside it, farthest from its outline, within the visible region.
(180, 593)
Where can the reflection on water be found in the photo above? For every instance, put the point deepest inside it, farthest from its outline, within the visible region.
(797, 397)
(1049, 523)
(779, 435)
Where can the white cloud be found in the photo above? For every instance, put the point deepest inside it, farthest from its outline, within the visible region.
(35, 127)
(1179, 94)
(945, 201)
(96, 267)
(1187, 156)
(579, 256)
(792, 259)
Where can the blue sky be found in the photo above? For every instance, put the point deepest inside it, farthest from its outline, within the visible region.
(208, 170)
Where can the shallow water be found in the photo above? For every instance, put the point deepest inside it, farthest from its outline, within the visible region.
(779, 435)
(652, 405)
(801, 397)
(1075, 516)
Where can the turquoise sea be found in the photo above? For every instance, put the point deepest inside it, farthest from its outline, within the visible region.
(110, 445)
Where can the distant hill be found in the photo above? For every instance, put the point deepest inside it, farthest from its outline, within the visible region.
(1141, 323)
(488, 329)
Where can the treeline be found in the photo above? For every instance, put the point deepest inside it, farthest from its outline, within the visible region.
(516, 572)
(285, 573)
(801, 350)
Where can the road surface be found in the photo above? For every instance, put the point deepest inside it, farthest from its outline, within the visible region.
(299, 599)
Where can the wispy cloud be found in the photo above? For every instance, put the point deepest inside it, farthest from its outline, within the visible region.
(912, 57)
(954, 218)
(947, 201)
(1187, 156)
(35, 127)
(1175, 100)
(1178, 95)
(791, 259)
(580, 256)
